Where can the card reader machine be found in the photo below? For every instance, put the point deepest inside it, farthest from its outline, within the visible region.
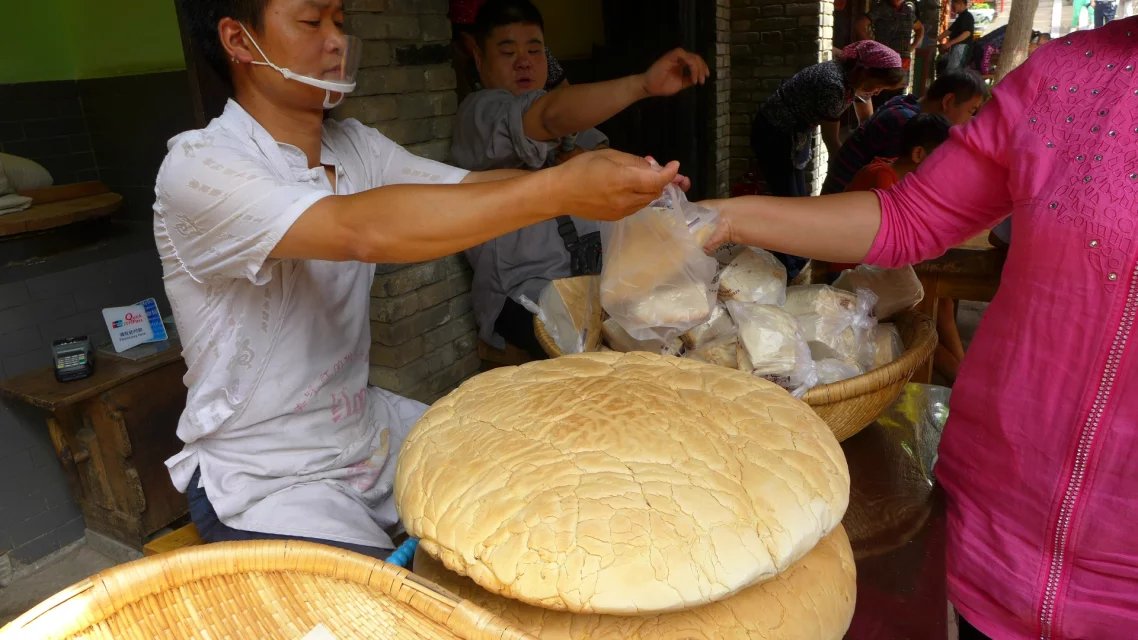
(73, 358)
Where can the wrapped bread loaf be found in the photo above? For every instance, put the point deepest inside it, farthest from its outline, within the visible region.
(656, 280)
(819, 299)
(886, 347)
(896, 289)
(754, 276)
(835, 332)
(771, 345)
(814, 598)
(619, 483)
(722, 352)
(717, 326)
(618, 339)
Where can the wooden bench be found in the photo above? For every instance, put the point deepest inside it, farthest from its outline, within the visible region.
(61, 205)
(186, 536)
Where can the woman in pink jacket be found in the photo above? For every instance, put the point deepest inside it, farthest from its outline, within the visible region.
(1040, 457)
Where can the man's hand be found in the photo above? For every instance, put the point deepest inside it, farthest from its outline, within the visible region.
(609, 185)
(674, 72)
(681, 181)
(945, 48)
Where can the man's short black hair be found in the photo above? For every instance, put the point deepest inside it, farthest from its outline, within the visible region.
(926, 130)
(499, 13)
(202, 16)
(963, 84)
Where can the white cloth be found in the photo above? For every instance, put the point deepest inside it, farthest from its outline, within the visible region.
(279, 418)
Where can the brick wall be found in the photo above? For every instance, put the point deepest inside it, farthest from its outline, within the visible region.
(423, 331)
(722, 122)
(770, 42)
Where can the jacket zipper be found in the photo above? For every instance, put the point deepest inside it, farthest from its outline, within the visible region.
(1082, 456)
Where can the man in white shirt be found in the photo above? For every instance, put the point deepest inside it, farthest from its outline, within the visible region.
(268, 222)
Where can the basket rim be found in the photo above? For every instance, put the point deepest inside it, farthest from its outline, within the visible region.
(916, 352)
(118, 587)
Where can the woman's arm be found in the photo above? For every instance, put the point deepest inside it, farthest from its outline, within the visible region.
(831, 135)
(836, 228)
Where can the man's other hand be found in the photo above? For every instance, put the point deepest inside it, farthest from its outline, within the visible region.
(675, 71)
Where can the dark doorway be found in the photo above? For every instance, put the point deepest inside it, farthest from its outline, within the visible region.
(637, 32)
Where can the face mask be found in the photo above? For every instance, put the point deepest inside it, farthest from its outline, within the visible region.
(343, 85)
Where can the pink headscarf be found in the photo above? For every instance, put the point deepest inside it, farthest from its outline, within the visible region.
(871, 54)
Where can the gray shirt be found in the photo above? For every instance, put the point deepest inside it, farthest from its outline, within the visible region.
(489, 134)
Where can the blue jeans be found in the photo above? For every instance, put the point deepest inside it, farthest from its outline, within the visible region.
(212, 529)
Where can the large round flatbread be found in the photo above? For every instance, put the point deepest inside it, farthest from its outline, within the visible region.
(620, 483)
(814, 598)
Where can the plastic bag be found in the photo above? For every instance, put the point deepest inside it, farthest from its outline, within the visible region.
(657, 282)
(567, 320)
(717, 326)
(754, 276)
(618, 339)
(896, 289)
(831, 370)
(554, 314)
(839, 319)
(723, 351)
(771, 346)
(885, 347)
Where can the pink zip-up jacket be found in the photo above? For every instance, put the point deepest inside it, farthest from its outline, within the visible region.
(1040, 456)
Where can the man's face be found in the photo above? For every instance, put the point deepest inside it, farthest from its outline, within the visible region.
(960, 112)
(306, 37)
(512, 57)
(959, 7)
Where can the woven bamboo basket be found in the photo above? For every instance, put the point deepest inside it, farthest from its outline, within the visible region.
(847, 406)
(264, 590)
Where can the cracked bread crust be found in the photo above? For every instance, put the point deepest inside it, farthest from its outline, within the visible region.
(620, 483)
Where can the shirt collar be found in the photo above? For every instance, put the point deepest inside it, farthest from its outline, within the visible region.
(283, 156)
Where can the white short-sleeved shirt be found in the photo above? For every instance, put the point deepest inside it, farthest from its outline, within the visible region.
(279, 418)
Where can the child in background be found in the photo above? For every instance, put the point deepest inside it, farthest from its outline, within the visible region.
(921, 135)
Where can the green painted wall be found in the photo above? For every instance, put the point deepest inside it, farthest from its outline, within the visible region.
(79, 39)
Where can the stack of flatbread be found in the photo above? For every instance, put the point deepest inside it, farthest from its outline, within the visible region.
(610, 495)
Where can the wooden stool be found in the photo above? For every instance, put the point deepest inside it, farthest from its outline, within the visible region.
(186, 536)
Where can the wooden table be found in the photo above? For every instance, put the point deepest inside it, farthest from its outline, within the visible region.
(112, 433)
(970, 271)
(896, 525)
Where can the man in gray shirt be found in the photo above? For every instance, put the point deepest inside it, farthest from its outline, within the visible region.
(513, 123)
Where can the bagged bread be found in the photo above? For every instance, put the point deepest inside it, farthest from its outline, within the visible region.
(835, 332)
(885, 347)
(754, 276)
(896, 289)
(717, 326)
(771, 346)
(831, 370)
(618, 339)
(656, 281)
(722, 352)
(842, 320)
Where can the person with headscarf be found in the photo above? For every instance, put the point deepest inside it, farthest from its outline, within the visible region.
(783, 126)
